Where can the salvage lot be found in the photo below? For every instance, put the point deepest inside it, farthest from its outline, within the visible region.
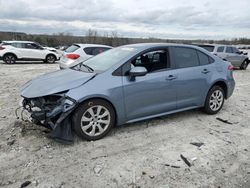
(144, 154)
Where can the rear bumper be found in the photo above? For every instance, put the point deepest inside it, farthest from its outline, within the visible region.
(230, 88)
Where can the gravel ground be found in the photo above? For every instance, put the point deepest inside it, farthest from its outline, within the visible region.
(144, 154)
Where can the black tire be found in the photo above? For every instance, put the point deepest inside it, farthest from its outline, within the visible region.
(82, 112)
(244, 65)
(9, 59)
(208, 104)
(50, 58)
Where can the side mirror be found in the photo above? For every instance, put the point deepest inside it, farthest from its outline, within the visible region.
(137, 71)
(245, 53)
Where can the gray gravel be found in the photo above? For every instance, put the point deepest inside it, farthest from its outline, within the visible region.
(135, 155)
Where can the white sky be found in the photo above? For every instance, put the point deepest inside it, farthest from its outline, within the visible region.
(192, 19)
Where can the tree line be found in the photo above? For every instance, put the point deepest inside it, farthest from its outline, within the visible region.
(111, 39)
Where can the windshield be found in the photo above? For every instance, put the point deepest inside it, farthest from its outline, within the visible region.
(107, 59)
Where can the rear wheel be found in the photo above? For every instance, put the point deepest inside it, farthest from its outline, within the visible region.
(215, 100)
(244, 65)
(9, 59)
(94, 119)
(50, 58)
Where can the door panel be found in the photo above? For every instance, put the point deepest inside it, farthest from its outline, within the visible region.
(192, 85)
(150, 95)
(193, 71)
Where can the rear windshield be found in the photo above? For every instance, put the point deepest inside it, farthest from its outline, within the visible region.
(72, 48)
(207, 47)
(95, 50)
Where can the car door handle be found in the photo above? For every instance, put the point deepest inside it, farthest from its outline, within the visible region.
(171, 77)
(205, 71)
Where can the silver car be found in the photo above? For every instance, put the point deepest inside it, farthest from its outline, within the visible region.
(228, 53)
(77, 53)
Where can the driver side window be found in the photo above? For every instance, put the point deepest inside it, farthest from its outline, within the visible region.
(31, 46)
(153, 61)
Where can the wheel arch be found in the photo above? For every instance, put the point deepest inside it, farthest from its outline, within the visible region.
(104, 99)
(10, 53)
(50, 54)
(222, 84)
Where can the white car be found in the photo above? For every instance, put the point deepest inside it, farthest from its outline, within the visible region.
(12, 51)
(80, 52)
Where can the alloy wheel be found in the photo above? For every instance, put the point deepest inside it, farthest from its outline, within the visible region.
(10, 59)
(216, 100)
(95, 120)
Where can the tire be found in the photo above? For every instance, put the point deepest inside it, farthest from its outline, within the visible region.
(214, 100)
(50, 58)
(244, 65)
(9, 59)
(88, 124)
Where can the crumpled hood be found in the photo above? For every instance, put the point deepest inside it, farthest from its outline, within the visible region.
(55, 82)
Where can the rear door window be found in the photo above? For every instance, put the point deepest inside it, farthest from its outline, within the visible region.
(203, 58)
(72, 48)
(220, 49)
(18, 45)
(229, 50)
(185, 57)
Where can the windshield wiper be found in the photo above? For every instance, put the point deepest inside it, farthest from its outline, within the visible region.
(87, 67)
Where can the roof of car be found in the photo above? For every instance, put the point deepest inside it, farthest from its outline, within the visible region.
(153, 45)
(92, 45)
(215, 45)
(17, 41)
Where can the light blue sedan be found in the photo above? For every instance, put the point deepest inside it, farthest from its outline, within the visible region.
(127, 84)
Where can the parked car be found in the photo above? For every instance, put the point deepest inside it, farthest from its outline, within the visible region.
(12, 51)
(228, 53)
(80, 52)
(127, 84)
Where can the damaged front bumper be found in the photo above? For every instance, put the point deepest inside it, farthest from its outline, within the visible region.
(53, 112)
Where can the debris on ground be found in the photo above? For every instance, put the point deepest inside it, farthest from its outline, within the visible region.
(194, 159)
(98, 169)
(11, 142)
(172, 166)
(25, 184)
(198, 144)
(185, 160)
(152, 176)
(224, 121)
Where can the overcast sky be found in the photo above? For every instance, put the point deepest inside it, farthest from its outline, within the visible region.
(188, 19)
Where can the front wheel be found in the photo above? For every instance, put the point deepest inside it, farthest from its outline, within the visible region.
(215, 100)
(244, 65)
(93, 119)
(50, 59)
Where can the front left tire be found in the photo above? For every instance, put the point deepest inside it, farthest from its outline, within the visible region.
(50, 58)
(93, 119)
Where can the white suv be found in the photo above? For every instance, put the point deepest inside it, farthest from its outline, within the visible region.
(12, 51)
(78, 53)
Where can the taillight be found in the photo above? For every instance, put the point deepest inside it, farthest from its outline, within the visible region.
(2, 48)
(73, 56)
(230, 67)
